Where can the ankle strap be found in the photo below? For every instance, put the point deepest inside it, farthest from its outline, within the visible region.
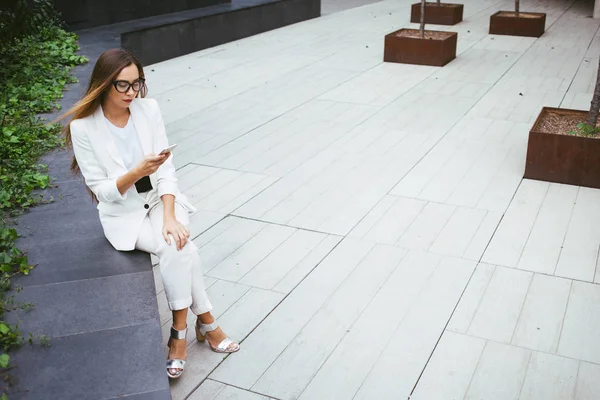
(204, 328)
(175, 334)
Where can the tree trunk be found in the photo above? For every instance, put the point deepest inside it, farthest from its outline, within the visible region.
(595, 106)
(422, 29)
(517, 7)
(439, 2)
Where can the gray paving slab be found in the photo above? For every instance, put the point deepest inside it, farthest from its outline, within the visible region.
(335, 6)
(59, 162)
(89, 305)
(105, 364)
(155, 395)
(60, 225)
(81, 258)
(70, 192)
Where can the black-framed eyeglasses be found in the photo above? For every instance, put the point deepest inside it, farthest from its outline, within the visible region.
(123, 86)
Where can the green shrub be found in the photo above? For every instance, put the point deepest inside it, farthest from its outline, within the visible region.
(20, 18)
(35, 69)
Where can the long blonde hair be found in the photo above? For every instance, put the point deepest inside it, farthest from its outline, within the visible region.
(107, 68)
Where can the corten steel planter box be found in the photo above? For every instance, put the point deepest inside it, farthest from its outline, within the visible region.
(573, 160)
(444, 14)
(526, 24)
(411, 50)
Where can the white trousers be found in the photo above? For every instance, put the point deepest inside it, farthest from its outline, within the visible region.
(181, 270)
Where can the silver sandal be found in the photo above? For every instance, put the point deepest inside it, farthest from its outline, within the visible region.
(226, 346)
(174, 363)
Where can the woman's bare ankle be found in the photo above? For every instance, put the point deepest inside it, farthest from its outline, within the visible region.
(206, 318)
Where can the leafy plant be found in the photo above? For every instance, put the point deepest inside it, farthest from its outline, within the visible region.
(34, 68)
(584, 129)
(19, 18)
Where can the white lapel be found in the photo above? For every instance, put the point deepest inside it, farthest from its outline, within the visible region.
(104, 133)
(142, 127)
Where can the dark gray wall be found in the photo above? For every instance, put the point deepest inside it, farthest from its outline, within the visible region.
(81, 14)
(218, 25)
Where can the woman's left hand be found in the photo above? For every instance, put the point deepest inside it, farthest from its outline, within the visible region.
(177, 230)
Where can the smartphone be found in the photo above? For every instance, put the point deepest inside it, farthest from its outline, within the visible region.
(168, 149)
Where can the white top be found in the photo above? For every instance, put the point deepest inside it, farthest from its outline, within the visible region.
(127, 141)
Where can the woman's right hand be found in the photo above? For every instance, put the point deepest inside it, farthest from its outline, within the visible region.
(150, 164)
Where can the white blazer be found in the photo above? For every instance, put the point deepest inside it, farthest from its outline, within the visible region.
(101, 165)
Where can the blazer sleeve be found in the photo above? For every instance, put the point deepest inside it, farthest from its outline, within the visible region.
(95, 178)
(166, 176)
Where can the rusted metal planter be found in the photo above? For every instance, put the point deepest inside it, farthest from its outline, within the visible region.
(410, 50)
(526, 24)
(573, 160)
(443, 14)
